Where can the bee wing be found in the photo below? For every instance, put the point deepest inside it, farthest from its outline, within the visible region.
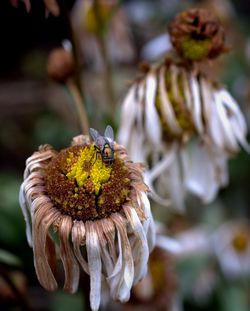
(94, 134)
(109, 133)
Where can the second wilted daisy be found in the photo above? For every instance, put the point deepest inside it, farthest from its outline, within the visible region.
(183, 124)
(97, 211)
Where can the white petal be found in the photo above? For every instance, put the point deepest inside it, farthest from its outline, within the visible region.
(26, 214)
(128, 115)
(199, 172)
(152, 120)
(148, 224)
(196, 109)
(95, 265)
(236, 118)
(229, 137)
(141, 252)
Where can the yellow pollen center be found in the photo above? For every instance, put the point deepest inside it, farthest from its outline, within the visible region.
(89, 167)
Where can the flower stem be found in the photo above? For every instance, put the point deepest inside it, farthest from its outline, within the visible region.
(74, 85)
(79, 106)
(107, 72)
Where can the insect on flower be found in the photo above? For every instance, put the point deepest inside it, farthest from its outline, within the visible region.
(104, 144)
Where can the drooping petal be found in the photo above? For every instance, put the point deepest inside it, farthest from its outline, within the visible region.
(148, 224)
(44, 218)
(229, 138)
(78, 236)
(199, 172)
(152, 121)
(235, 117)
(94, 264)
(127, 275)
(140, 249)
(197, 108)
(52, 6)
(128, 113)
(71, 267)
(26, 214)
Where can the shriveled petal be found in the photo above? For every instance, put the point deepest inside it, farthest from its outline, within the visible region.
(127, 275)
(148, 224)
(44, 218)
(70, 265)
(52, 6)
(140, 249)
(152, 121)
(94, 264)
(108, 229)
(78, 236)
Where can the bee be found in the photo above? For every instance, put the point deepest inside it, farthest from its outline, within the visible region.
(104, 144)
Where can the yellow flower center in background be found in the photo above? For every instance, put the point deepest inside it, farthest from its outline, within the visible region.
(81, 185)
(240, 241)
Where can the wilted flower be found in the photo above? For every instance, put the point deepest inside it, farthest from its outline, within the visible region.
(50, 5)
(197, 34)
(97, 214)
(185, 127)
(232, 247)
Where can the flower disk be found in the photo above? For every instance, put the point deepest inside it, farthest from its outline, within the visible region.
(81, 185)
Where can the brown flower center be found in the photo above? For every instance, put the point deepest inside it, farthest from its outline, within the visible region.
(81, 185)
(240, 241)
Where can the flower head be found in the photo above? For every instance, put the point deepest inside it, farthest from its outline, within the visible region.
(98, 212)
(196, 35)
(233, 249)
(185, 127)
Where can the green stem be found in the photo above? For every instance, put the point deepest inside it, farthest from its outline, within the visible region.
(75, 85)
(107, 66)
(79, 106)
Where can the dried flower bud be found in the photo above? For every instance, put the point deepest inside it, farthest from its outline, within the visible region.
(60, 65)
(196, 35)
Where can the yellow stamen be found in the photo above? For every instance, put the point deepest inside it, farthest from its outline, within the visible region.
(89, 167)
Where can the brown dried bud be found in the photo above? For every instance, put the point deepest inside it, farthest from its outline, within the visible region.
(60, 65)
(196, 35)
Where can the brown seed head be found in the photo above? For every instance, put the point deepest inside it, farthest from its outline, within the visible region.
(196, 35)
